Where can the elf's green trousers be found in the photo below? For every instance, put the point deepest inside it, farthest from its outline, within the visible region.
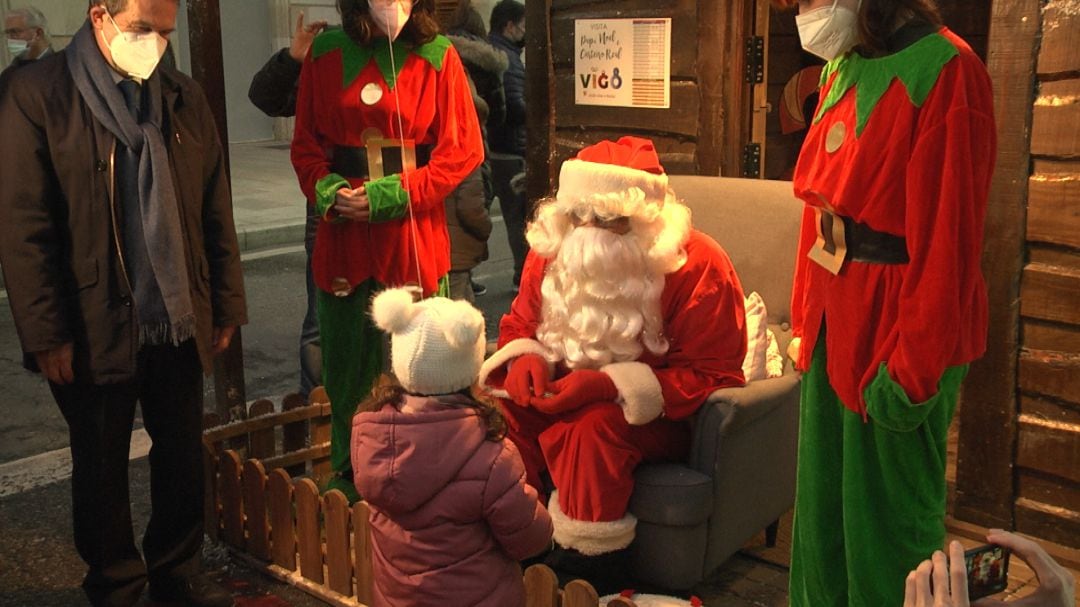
(870, 496)
(353, 358)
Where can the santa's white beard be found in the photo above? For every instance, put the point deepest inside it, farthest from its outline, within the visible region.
(601, 300)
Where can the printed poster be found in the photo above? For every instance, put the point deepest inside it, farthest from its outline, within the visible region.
(623, 62)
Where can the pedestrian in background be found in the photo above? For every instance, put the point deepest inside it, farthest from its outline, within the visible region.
(123, 275)
(273, 90)
(507, 139)
(467, 208)
(27, 33)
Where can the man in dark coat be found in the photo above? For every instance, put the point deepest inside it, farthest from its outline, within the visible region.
(123, 275)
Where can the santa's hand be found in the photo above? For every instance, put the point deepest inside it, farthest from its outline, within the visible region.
(577, 390)
(528, 376)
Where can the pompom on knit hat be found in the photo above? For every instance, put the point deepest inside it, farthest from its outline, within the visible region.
(436, 345)
(614, 178)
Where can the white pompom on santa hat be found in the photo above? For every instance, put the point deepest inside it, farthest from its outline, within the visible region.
(613, 178)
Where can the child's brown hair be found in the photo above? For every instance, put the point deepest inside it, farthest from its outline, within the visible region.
(387, 391)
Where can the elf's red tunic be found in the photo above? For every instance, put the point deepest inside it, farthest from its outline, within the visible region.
(915, 163)
(435, 108)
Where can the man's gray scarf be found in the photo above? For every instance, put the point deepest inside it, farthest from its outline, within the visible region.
(166, 314)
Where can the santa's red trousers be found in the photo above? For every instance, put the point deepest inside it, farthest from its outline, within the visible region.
(591, 454)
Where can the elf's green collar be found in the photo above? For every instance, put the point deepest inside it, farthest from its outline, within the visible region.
(917, 67)
(355, 57)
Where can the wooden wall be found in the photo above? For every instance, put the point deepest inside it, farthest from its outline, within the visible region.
(1019, 452)
(1048, 441)
(699, 134)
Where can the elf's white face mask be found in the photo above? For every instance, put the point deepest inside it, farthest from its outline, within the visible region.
(829, 31)
(391, 15)
(136, 54)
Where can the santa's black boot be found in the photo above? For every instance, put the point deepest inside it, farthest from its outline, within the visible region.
(609, 573)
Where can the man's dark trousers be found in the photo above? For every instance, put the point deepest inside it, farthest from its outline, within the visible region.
(168, 386)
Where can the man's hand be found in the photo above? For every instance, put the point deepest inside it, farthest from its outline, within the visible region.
(576, 390)
(222, 338)
(55, 364)
(949, 581)
(352, 204)
(1057, 587)
(527, 377)
(303, 36)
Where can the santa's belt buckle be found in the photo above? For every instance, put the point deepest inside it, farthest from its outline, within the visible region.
(830, 249)
(390, 156)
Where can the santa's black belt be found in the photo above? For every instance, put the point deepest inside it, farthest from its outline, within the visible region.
(350, 161)
(864, 244)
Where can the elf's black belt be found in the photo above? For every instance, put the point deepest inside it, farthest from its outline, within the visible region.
(352, 161)
(865, 244)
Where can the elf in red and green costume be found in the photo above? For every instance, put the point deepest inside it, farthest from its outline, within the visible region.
(385, 77)
(888, 303)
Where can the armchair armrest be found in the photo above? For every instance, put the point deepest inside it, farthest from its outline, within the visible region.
(729, 409)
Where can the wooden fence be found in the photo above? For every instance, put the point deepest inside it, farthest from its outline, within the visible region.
(279, 521)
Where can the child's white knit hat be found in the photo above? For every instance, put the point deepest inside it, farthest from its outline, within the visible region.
(436, 345)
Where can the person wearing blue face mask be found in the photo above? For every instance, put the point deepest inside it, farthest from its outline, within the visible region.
(889, 306)
(123, 275)
(27, 34)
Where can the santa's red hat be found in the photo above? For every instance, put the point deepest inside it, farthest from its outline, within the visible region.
(613, 168)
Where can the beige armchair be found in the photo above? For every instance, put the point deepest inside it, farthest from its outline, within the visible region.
(740, 476)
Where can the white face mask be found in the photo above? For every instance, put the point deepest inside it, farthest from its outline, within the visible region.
(16, 47)
(829, 31)
(390, 15)
(137, 54)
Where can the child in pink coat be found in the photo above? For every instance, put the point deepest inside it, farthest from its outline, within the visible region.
(451, 514)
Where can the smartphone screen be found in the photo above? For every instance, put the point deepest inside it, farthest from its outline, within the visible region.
(987, 570)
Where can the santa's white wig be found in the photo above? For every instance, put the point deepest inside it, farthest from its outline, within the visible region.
(601, 291)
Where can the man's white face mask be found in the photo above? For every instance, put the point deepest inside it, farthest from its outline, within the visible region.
(136, 54)
(391, 15)
(828, 31)
(17, 47)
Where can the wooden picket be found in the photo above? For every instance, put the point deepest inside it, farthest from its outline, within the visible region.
(255, 523)
(338, 560)
(279, 522)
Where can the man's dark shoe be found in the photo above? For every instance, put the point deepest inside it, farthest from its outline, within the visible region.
(197, 591)
(477, 288)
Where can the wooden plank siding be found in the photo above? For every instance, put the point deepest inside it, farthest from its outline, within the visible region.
(985, 474)
(701, 133)
(1047, 500)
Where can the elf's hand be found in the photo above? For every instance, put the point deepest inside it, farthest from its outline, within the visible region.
(576, 390)
(528, 376)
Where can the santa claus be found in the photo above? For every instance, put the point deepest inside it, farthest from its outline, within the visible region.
(627, 319)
